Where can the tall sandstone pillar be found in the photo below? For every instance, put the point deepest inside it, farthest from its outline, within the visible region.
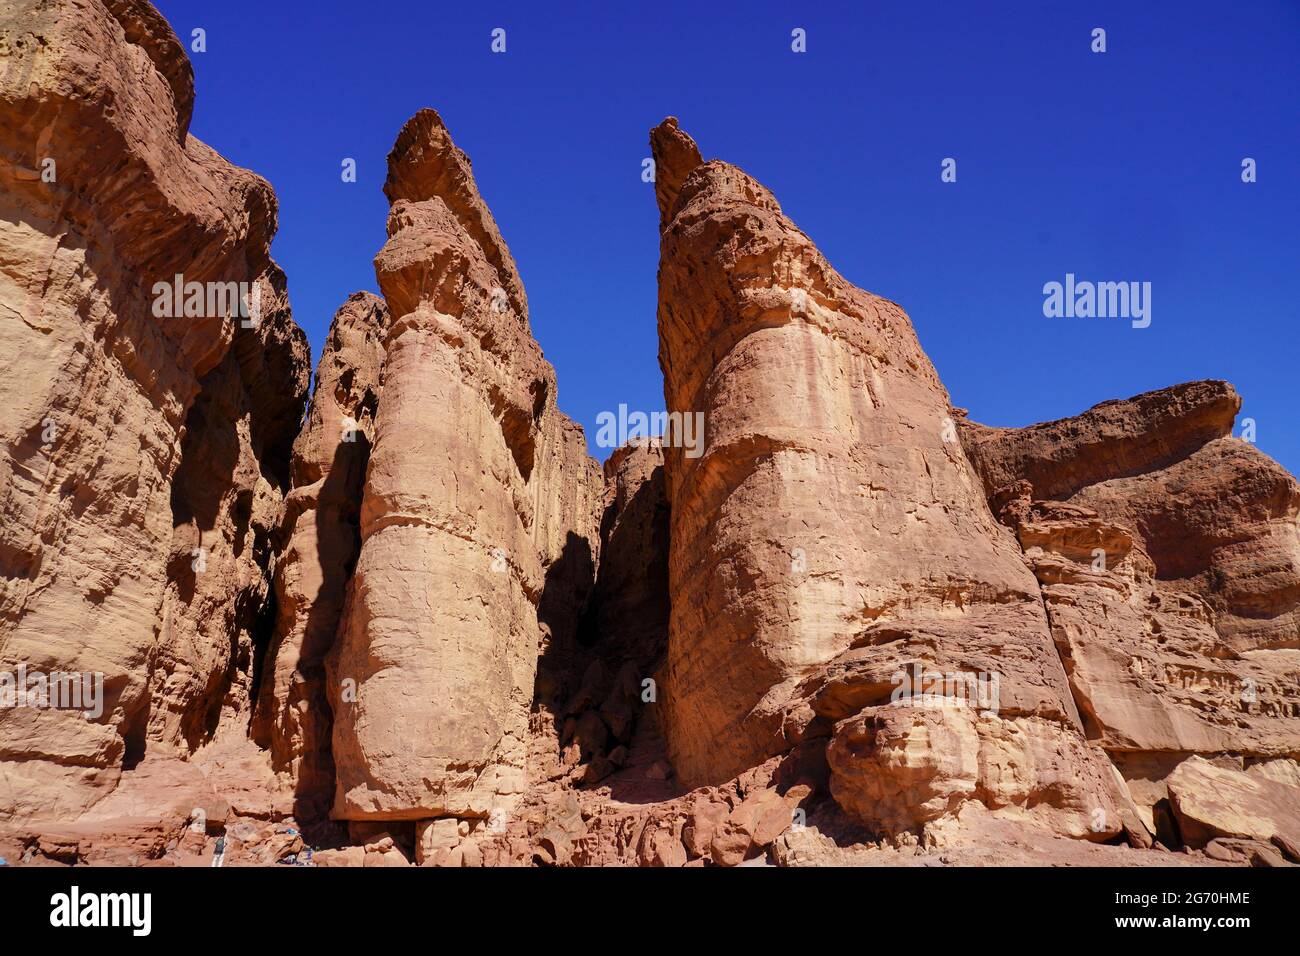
(832, 533)
(475, 485)
(320, 543)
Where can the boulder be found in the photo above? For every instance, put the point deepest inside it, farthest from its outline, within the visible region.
(1211, 801)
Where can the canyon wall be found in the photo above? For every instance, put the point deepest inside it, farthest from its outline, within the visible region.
(144, 448)
(319, 544)
(1169, 557)
(825, 618)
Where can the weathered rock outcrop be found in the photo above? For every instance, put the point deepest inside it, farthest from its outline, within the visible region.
(630, 603)
(143, 449)
(1210, 802)
(1115, 439)
(840, 623)
(320, 542)
(832, 533)
(226, 504)
(593, 681)
(477, 487)
(1216, 516)
(1169, 558)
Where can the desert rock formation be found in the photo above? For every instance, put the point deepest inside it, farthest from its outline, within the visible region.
(144, 456)
(476, 488)
(833, 533)
(1169, 560)
(319, 545)
(420, 625)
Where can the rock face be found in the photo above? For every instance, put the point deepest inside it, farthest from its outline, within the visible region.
(226, 503)
(825, 619)
(321, 541)
(1169, 557)
(592, 681)
(630, 604)
(833, 533)
(144, 447)
(476, 489)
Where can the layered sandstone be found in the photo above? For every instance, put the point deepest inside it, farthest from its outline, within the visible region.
(226, 503)
(596, 682)
(320, 541)
(477, 487)
(849, 626)
(834, 534)
(630, 603)
(1169, 558)
(144, 454)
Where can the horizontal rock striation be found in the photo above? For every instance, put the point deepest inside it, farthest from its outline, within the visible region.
(833, 532)
(824, 618)
(1169, 558)
(143, 450)
(476, 489)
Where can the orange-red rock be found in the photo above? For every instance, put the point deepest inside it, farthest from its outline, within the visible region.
(320, 542)
(475, 488)
(144, 454)
(833, 531)
(424, 610)
(1169, 558)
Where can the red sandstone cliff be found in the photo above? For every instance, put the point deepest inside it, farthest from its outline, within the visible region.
(144, 458)
(421, 625)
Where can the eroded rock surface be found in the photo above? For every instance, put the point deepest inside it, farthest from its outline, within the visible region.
(596, 682)
(1212, 802)
(833, 532)
(320, 542)
(1169, 558)
(476, 488)
(145, 449)
(848, 626)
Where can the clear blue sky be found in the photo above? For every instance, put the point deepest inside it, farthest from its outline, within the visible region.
(1117, 166)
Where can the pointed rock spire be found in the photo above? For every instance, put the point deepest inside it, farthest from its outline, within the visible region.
(424, 163)
(675, 155)
(475, 486)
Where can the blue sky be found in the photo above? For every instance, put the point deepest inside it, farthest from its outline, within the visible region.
(1117, 166)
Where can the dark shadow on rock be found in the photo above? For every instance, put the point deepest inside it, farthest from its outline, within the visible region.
(337, 518)
(597, 677)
